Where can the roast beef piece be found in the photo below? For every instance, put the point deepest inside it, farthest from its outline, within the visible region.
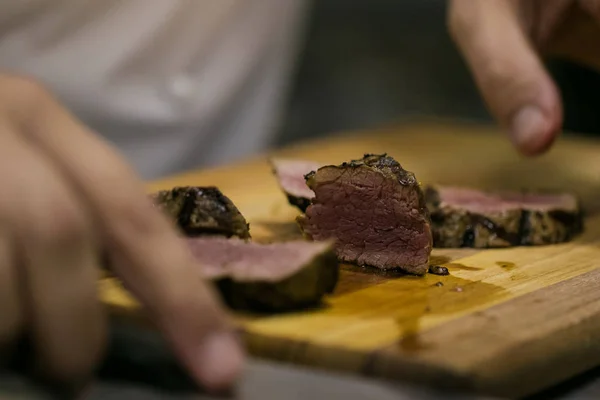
(463, 217)
(267, 277)
(202, 211)
(290, 175)
(374, 210)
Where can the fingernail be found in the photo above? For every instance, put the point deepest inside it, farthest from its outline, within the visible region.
(528, 129)
(220, 361)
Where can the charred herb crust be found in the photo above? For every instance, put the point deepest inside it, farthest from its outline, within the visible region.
(527, 234)
(301, 203)
(383, 163)
(438, 270)
(202, 211)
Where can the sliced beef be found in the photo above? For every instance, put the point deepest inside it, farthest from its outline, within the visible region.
(202, 211)
(374, 210)
(267, 277)
(464, 217)
(290, 175)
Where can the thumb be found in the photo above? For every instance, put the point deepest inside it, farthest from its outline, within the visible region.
(512, 80)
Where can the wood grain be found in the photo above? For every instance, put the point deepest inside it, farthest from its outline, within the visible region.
(506, 321)
(492, 349)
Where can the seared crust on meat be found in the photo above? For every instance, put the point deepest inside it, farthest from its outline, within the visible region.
(202, 211)
(290, 176)
(304, 288)
(454, 226)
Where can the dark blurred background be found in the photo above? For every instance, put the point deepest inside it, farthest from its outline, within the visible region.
(371, 63)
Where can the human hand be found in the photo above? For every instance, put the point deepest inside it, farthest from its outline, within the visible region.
(67, 197)
(503, 41)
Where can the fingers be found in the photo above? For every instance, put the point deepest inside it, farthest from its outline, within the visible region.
(540, 19)
(516, 87)
(68, 321)
(191, 318)
(145, 250)
(11, 321)
(56, 256)
(577, 37)
(592, 7)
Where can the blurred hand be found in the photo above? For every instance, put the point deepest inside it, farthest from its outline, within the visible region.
(502, 41)
(66, 198)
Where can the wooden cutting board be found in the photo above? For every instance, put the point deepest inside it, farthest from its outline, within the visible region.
(505, 322)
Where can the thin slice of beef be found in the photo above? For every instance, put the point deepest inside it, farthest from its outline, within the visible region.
(466, 217)
(290, 175)
(202, 211)
(267, 277)
(374, 210)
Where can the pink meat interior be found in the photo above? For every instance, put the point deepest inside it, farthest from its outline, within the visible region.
(478, 201)
(248, 261)
(290, 174)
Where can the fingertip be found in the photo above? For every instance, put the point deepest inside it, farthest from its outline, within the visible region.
(204, 340)
(528, 130)
(218, 361)
(533, 130)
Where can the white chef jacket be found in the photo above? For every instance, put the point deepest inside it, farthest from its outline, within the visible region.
(175, 84)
